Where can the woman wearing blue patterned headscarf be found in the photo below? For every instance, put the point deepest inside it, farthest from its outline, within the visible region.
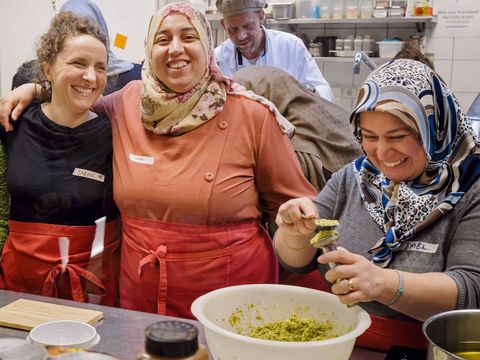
(409, 209)
(417, 97)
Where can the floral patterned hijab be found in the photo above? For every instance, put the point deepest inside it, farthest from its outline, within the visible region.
(164, 111)
(411, 91)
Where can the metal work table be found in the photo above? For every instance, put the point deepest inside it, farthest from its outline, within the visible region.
(121, 330)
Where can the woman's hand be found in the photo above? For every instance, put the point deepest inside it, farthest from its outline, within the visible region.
(355, 279)
(297, 216)
(295, 220)
(13, 104)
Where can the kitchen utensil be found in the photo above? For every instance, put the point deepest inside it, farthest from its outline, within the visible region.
(262, 303)
(453, 335)
(26, 314)
(326, 236)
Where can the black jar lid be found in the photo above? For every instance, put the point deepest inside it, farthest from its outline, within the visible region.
(174, 339)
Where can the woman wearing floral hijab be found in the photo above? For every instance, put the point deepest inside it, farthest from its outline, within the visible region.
(196, 164)
(193, 171)
(409, 210)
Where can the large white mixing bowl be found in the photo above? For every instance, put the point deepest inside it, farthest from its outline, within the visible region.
(254, 305)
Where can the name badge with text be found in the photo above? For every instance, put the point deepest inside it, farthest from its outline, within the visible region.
(89, 174)
(420, 246)
(139, 159)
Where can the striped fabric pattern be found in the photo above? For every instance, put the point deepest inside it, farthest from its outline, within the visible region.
(411, 91)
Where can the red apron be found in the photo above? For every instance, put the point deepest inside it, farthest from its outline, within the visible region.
(31, 262)
(165, 266)
(312, 280)
(384, 333)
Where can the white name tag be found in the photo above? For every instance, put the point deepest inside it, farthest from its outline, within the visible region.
(420, 246)
(147, 160)
(88, 174)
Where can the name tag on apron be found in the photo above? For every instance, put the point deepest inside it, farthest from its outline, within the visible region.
(146, 160)
(89, 174)
(420, 246)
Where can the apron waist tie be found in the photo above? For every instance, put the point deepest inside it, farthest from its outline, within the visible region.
(154, 259)
(75, 273)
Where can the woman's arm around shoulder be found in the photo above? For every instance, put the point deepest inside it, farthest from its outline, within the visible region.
(16, 101)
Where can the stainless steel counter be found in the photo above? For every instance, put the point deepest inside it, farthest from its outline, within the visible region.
(121, 331)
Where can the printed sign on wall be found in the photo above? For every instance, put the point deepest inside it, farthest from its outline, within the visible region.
(457, 19)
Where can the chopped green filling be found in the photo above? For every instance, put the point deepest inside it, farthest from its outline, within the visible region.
(294, 329)
(326, 228)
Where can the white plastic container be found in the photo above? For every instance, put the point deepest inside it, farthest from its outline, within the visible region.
(388, 49)
(338, 9)
(282, 11)
(66, 333)
(351, 11)
(304, 9)
(325, 7)
(357, 43)
(366, 8)
(367, 44)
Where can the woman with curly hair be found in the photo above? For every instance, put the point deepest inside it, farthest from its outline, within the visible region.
(59, 162)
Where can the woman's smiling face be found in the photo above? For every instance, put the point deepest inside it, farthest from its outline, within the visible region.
(78, 73)
(178, 58)
(391, 146)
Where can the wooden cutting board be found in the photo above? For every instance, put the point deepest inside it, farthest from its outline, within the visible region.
(26, 314)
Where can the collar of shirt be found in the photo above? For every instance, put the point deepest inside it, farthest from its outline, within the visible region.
(243, 61)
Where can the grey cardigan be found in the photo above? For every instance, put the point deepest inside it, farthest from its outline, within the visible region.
(451, 245)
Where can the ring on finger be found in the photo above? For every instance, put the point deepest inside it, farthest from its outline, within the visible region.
(347, 291)
(350, 285)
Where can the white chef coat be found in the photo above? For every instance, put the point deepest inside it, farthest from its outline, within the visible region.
(282, 50)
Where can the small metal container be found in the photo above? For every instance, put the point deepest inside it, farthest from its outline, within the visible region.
(452, 334)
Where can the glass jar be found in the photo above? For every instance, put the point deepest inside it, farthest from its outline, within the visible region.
(303, 9)
(351, 10)
(172, 340)
(338, 9)
(366, 9)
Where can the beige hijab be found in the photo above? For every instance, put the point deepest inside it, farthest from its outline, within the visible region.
(164, 111)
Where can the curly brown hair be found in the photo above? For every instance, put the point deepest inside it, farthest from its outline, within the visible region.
(409, 52)
(64, 25)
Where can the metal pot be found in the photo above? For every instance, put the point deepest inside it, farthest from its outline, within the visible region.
(453, 332)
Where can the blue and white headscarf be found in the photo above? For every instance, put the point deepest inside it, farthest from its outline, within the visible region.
(411, 91)
(87, 8)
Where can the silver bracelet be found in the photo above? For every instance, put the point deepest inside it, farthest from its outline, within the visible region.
(400, 290)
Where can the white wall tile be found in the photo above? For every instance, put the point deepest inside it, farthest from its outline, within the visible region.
(444, 69)
(467, 49)
(339, 74)
(465, 99)
(441, 48)
(466, 76)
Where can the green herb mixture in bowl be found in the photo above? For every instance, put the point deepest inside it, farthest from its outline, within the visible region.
(264, 321)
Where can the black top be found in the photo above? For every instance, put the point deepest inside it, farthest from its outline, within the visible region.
(59, 175)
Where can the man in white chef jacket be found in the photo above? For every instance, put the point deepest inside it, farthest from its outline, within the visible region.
(250, 43)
